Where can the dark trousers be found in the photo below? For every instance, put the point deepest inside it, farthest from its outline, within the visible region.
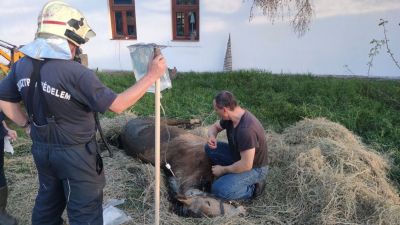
(3, 181)
(68, 179)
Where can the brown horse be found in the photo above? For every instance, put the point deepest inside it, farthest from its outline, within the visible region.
(184, 152)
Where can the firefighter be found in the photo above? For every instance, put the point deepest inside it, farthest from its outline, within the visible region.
(61, 96)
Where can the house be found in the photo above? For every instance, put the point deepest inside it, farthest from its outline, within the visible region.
(194, 34)
(197, 31)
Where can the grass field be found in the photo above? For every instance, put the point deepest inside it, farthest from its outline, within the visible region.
(368, 107)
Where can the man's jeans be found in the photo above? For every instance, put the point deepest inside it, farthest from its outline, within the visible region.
(233, 186)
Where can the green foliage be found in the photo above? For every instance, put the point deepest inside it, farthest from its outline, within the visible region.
(395, 170)
(370, 108)
(118, 82)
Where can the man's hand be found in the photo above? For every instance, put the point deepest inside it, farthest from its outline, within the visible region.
(157, 67)
(212, 142)
(212, 133)
(131, 95)
(243, 165)
(218, 170)
(12, 134)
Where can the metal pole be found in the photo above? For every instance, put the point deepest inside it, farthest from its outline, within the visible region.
(157, 154)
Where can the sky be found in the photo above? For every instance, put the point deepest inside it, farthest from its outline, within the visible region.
(338, 42)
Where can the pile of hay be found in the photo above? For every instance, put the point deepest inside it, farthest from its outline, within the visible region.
(320, 173)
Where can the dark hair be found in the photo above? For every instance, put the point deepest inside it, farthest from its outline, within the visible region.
(225, 99)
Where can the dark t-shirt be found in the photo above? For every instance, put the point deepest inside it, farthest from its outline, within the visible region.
(72, 92)
(248, 134)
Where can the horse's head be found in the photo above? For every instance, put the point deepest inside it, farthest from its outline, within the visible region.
(201, 203)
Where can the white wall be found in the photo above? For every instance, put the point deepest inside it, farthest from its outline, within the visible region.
(340, 34)
(154, 25)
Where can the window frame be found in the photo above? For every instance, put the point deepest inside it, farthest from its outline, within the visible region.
(123, 8)
(185, 9)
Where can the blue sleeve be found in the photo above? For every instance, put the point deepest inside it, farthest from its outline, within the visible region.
(93, 93)
(8, 87)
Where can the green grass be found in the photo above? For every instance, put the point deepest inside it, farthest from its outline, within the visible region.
(368, 107)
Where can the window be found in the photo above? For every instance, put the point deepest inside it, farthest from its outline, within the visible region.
(123, 19)
(185, 20)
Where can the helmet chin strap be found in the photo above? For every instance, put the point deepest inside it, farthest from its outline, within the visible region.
(75, 52)
(78, 52)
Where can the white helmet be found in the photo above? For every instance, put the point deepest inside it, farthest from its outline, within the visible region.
(59, 18)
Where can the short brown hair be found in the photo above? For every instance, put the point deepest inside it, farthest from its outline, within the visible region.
(225, 99)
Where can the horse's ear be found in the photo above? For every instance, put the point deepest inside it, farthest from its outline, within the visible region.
(185, 200)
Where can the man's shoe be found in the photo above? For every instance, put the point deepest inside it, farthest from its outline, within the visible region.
(258, 189)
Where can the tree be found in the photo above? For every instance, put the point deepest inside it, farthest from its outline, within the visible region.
(378, 44)
(300, 19)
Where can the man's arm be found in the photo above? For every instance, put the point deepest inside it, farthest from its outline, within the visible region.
(14, 112)
(212, 133)
(11, 133)
(130, 96)
(243, 165)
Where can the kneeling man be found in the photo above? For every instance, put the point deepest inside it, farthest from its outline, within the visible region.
(241, 164)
